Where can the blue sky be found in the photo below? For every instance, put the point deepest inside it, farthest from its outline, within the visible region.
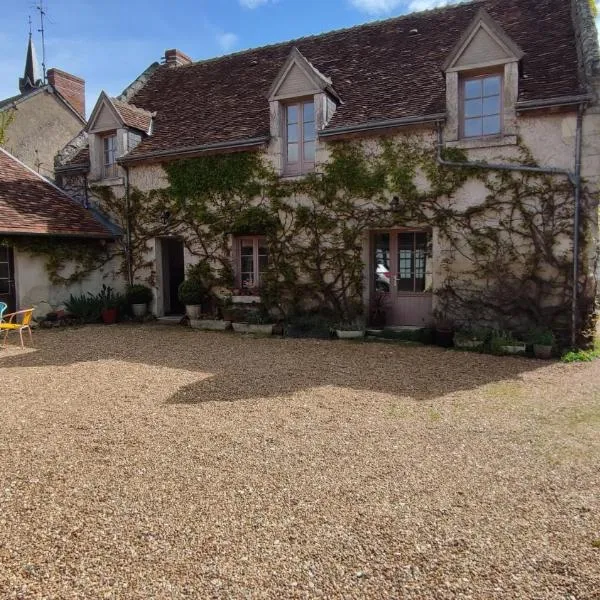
(110, 42)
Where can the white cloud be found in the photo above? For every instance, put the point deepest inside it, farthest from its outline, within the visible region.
(381, 7)
(227, 40)
(255, 3)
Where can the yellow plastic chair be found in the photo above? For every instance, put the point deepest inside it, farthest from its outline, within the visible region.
(17, 321)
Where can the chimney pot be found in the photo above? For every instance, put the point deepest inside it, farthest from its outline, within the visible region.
(70, 87)
(176, 58)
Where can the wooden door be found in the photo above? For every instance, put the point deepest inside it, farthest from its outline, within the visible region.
(401, 273)
(7, 277)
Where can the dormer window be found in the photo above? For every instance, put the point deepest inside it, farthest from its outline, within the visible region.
(109, 168)
(482, 106)
(300, 138)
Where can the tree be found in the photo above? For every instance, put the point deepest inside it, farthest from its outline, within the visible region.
(6, 118)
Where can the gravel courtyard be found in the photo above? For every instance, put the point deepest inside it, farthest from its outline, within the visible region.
(160, 462)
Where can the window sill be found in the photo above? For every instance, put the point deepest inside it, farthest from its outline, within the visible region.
(491, 142)
(107, 181)
(295, 177)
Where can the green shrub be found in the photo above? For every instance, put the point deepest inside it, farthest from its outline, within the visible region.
(192, 292)
(541, 336)
(580, 356)
(85, 306)
(139, 294)
(308, 325)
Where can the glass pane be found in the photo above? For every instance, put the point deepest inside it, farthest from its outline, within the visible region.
(472, 127)
(246, 249)
(491, 125)
(309, 112)
(3, 253)
(473, 88)
(382, 262)
(247, 264)
(263, 261)
(292, 153)
(404, 282)
(309, 131)
(491, 106)
(3, 270)
(247, 280)
(292, 114)
(292, 133)
(309, 151)
(491, 86)
(473, 108)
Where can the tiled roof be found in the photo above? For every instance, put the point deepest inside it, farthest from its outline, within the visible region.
(81, 159)
(132, 116)
(31, 205)
(382, 70)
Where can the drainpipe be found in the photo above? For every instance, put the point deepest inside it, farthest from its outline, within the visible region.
(578, 151)
(128, 228)
(574, 179)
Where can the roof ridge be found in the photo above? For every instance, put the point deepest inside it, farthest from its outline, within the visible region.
(377, 22)
(130, 105)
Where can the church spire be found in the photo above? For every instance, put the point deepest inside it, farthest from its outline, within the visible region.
(31, 78)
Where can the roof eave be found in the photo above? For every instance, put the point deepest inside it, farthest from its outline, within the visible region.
(383, 124)
(189, 152)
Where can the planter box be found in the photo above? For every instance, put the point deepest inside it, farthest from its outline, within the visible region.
(139, 310)
(514, 349)
(248, 328)
(245, 299)
(349, 335)
(193, 311)
(542, 351)
(468, 344)
(210, 324)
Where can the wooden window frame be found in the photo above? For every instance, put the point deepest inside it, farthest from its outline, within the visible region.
(256, 241)
(464, 79)
(109, 170)
(302, 166)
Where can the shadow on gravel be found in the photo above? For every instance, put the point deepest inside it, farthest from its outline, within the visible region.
(245, 367)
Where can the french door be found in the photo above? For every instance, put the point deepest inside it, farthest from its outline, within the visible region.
(7, 277)
(401, 273)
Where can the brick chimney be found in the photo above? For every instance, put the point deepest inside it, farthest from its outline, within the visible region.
(70, 87)
(176, 58)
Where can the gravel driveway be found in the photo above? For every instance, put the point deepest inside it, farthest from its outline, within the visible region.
(161, 462)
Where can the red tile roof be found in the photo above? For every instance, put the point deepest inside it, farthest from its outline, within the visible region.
(30, 205)
(382, 70)
(132, 116)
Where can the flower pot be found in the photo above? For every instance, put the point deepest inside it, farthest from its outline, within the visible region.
(193, 311)
(109, 315)
(266, 329)
(210, 324)
(542, 351)
(444, 338)
(468, 344)
(349, 335)
(514, 349)
(139, 310)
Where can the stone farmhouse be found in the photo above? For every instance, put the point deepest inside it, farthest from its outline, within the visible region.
(444, 163)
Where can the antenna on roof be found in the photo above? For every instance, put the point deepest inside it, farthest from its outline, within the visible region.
(29, 21)
(42, 11)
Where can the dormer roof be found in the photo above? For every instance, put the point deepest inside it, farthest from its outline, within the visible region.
(110, 113)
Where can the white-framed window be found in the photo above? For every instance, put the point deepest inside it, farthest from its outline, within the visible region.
(253, 258)
(481, 105)
(109, 156)
(300, 137)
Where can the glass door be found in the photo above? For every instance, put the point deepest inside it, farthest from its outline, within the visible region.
(7, 278)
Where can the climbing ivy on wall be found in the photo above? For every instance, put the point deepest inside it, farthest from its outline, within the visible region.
(512, 243)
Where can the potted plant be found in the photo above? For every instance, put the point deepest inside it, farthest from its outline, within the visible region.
(109, 303)
(543, 341)
(503, 342)
(138, 297)
(470, 338)
(444, 332)
(192, 293)
(350, 329)
(378, 313)
(254, 322)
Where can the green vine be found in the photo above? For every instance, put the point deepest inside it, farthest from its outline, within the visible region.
(505, 257)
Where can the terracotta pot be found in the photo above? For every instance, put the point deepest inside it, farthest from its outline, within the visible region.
(109, 315)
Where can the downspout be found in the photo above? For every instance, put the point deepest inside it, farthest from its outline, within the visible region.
(577, 185)
(574, 178)
(128, 228)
